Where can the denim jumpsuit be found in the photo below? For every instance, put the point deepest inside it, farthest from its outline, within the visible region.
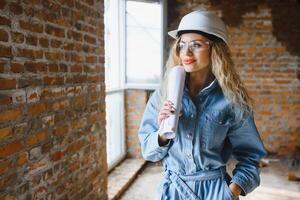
(208, 133)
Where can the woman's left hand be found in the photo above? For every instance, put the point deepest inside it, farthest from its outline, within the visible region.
(235, 190)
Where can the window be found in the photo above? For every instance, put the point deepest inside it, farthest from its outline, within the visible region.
(144, 43)
(134, 57)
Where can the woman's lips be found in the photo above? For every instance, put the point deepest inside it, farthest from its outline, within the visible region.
(189, 61)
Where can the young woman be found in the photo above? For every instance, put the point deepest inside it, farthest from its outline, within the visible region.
(216, 120)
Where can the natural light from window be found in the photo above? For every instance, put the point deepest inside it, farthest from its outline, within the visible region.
(144, 56)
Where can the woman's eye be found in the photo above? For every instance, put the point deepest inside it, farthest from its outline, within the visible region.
(196, 45)
(181, 46)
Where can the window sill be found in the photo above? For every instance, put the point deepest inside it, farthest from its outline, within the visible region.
(120, 178)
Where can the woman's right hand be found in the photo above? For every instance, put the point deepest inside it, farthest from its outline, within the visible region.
(166, 110)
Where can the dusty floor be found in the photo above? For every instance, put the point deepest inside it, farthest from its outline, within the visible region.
(274, 184)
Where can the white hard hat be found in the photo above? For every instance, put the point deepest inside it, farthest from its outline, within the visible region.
(203, 21)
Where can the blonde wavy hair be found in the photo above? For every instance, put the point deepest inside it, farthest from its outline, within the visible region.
(222, 67)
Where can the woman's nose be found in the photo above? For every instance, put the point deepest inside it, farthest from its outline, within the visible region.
(187, 51)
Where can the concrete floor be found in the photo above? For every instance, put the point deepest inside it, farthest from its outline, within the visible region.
(274, 184)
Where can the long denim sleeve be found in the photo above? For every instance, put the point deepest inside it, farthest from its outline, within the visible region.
(148, 131)
(247, 149)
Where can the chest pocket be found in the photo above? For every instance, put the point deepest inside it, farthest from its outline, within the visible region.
(215, 129)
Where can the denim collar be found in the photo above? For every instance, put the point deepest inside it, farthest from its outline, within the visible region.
(205, 91)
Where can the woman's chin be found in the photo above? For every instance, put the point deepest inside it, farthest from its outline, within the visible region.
(189, 69)
(192, 68)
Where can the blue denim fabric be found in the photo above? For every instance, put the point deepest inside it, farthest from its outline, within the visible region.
(209, 132)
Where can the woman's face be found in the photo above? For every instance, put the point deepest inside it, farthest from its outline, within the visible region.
(193, 51)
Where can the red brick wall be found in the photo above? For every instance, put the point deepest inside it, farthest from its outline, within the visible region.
(52, 109)
(136, 101)
(265, 41)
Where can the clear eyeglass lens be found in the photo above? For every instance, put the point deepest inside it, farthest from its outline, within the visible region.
(194, 46)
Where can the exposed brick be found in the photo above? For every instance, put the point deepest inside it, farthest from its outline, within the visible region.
(5, 166)
(54, 56)
(75, 146)
(53, 67)
(77, 58)
(78, 102)
(56, 43)
(2, 67)
(3, 35)
(90, 39)
(5, 21)
(57, 156)
(135, 104)
(37, 138)
(61, 130)
(47, 146)
(7, 83)
(37, 109)
(63, 67)
(5, 51)
(2, 4)
(90, 2)
(29, 53)
(33, 27)
(7, 181)
(91, 59)
(93, 79)
(10, 148)
(26, 81)
(53, 6)
(79, 79)
(5, 99)
(31, 40)
(74, 35)
(5, 132)
(76, 68)
(60, 105)
(51, 134)
(53, 80)
(35, 66)
(55, 31)
(17, 37)
(10, 115)
(17, 67)
(68, 46)
(15, 8)
(22, 159)
(44, 42)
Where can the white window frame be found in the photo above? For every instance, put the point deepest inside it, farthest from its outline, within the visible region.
(120, 88)
(122, 68)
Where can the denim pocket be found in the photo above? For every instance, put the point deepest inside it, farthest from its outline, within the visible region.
(215, 131)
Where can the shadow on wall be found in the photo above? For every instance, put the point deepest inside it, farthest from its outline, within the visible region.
(285, 18)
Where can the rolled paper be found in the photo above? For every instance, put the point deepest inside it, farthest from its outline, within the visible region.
(176, 79)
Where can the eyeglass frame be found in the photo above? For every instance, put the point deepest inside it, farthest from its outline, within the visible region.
(189, 48)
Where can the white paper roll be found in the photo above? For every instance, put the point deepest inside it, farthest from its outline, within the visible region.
(176, 79)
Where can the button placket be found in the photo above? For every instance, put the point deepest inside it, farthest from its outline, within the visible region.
(189, 156)
(190, 135)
